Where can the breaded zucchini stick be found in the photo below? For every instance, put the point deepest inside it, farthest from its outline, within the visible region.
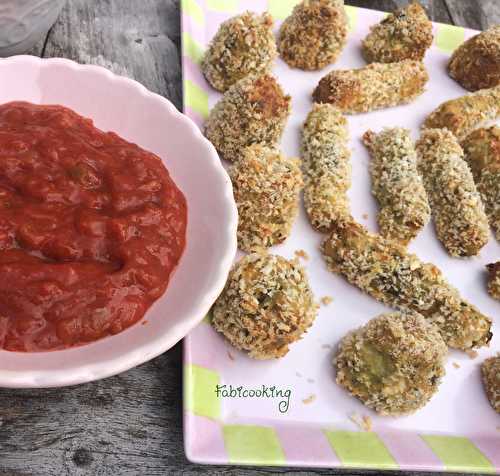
(266, 187)
(243, 45)
(326, 165)
(475, 64)
(387, 272)
(396, 184)
(252, 111)
(375, 86)
(482, 153)
(404, 34)
(494, 279)
(466, 113)
(490, 373)
(314, 35)
(459, 216)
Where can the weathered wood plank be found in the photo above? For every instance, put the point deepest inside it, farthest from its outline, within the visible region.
(477, 14)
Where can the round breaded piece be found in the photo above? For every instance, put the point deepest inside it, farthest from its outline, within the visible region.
(266, 187)
(490, 371)
(404, 34)
(494, 279)
(266, 305)
(252, 111)
(375, 86)
(243, 45)
(393, 364)
(314, 35)
(475, 64)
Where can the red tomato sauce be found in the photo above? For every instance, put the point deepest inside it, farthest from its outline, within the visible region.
(91, 229)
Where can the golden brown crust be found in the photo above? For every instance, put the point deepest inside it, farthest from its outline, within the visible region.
(388, 273)
(252, 111)
(266, 188)
(475, 64)
(404, 34)
(266, 305)
(396, 184)
(243, 45)
(326, 165)
(466, 113)
(314, 35)
(375, 86)
(494, 280)
(459, 215)
(393, 364)
(490, 372)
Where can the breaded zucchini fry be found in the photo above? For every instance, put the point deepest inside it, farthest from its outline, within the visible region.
(475, 64)
(494, 279)
(314, 35)
(266, 305)
(326, 165)
(459, 216)
(466, 113)
(375, 86)
(243, 45)
(388, 273)
(404, 34)
(393, 364)
(266, 187)
(482, 153)
(252, 111)
(490, 372)
(397, 185)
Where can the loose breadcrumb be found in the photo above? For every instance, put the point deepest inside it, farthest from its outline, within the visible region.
(266, 305)
(472, 354)
(466, 113)
(266, 187)
(367, 423)
(252, 111)
(404, 34)
(494, 279)
(309, 399)
(459, 215)
(326, 300)
(388, 273)
(365, 216)
(243, 45)
(302, 254)
(482, 153)
(457, 366)
(326, 165)
(356, 419)
(314, 35)
(394, 364)
(475, 64)
(375, 86)
(490, 371)
(396, 184)
(231, 356)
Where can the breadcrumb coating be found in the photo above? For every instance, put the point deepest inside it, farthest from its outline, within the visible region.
(375, 86)
(482, 153)
(243, 45)
(396, 184)
(393, 364)
(404, 34)
(494, 280)
(314, 35)
(466, 113)
(490, 371)
(266, 187)
(387, 272)
(326, 165)
(459, 216)
(252, 111)
(475, 64)
(266, 305)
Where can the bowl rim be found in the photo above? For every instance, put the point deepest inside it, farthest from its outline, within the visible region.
(160, 344)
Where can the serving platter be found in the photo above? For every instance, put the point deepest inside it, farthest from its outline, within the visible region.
(291, 411)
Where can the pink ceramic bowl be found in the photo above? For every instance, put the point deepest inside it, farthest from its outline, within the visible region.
(127, 108)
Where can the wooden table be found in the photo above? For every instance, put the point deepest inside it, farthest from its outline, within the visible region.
(131, 424)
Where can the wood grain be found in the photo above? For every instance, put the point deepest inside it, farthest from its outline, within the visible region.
(131, 424)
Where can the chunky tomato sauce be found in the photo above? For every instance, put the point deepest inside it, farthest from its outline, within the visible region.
(91, 228)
